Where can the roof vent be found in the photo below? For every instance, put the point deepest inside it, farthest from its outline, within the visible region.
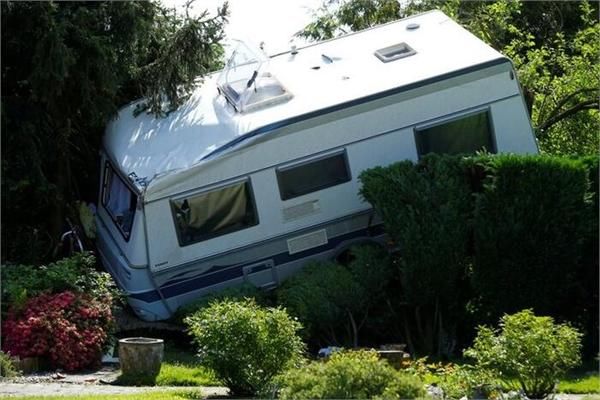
(395, 52)
(412, 27)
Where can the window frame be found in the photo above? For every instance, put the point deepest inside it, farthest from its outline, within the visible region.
(312, 160)
(105, 186)
(226, 231)
(418, 129)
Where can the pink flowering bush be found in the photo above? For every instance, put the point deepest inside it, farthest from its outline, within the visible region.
(68, 328)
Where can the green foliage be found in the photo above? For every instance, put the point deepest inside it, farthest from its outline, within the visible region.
(349, 375)
(68, 67)
(7, 367)
(76, 273)
(353, 15)
(191, 52)
(527, 352)
(326, 296)
(466, 381)
(426, 210)
(529, 226)
(234, 293)
(561, 80)
(244, 344)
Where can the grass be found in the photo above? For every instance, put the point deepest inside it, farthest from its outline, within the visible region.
(580, 384)
(179, 368)
(182, 368)
(176, 395)
(580, 381)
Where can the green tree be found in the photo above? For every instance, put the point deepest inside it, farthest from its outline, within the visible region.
(67, 68)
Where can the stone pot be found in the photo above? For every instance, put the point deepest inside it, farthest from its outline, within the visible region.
(141, 358)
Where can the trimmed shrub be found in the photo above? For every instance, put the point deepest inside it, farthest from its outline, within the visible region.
(426, 209)
(349, 375)
(527, 352)
(529, 229)
(244, 344)
(333, 301)
(70, 329)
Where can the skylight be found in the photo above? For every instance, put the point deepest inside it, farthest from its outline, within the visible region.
(246, 83)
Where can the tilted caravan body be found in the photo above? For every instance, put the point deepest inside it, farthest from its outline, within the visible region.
(257, 172)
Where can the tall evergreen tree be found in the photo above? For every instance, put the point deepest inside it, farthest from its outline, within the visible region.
(67, 67)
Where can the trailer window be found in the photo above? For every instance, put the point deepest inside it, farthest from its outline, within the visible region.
(214, 213)
(118, 200)
(312, 176)
(465, 135)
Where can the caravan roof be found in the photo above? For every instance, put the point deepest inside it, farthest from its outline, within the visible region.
(319, 78)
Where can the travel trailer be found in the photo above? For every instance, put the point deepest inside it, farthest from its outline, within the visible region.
(257, 173)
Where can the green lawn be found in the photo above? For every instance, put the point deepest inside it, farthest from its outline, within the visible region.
(181, 368)
(581, 384)
(581, 381)
(135, 396)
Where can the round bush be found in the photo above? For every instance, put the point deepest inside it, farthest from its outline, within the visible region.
(527, 352)
(349, 375)
(68, 328)
(246, 345)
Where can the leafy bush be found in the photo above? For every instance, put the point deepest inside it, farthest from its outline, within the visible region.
(7, 368)
(460, 381)
(527, 352)
(244, 344)
(76, 273)
(348, 375)
(426, 209)
(235, 293)
(68, 328)
(332, 300)
(529, 229)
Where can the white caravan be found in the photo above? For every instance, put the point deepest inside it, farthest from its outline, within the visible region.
(257, 172)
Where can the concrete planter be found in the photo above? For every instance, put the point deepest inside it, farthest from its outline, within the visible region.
(140, 359)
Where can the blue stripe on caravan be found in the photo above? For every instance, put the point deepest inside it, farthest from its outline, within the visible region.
(226, 273)
(386, 93)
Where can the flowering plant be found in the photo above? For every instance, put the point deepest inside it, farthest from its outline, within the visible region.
(69, 328)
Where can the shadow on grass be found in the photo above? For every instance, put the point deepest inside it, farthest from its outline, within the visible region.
(135, 380)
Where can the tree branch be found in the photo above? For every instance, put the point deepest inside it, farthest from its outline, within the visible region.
(585, 105)
(568, 98)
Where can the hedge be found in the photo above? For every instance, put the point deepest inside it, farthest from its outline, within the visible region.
(529, 228)
(522, 229)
